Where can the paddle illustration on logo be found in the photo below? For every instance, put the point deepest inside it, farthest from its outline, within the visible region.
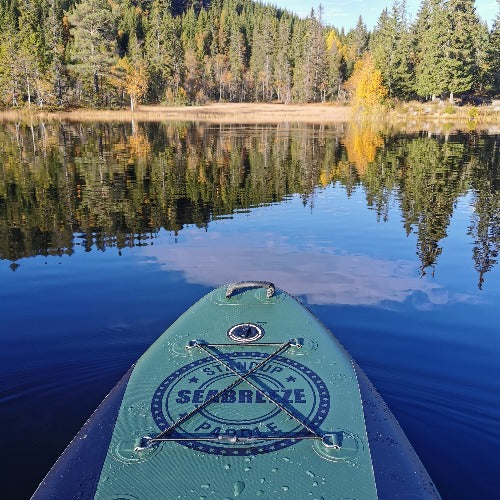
(240, 403)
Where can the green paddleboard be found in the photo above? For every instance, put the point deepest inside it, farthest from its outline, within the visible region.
(283, 415)
(247, 394)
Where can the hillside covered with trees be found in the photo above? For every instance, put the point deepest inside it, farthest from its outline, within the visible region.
(116, 53)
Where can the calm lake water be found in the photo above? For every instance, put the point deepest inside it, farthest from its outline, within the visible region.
(108, 232)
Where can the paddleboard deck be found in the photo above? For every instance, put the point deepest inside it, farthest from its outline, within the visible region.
(247, 394)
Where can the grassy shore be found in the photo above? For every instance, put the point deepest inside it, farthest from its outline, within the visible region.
(410, 116)
(215, 112)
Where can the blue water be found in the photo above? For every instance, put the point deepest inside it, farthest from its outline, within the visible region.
(73, 323)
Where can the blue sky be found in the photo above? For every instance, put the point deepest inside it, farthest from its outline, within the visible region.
(346, 12)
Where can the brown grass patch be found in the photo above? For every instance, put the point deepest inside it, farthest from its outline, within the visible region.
(217, 113)
(413, 116)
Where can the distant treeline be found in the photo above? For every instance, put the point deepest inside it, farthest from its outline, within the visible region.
(112, 53)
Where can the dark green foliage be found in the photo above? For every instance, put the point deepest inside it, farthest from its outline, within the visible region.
(67, 52)
(493, 56)
(431, 36)
(93, 51)
(448, 39)
(390, 46)
(461, 56)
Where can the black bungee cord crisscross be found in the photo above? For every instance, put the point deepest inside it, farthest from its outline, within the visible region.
(148, 441)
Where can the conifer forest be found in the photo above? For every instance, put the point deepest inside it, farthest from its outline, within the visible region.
(120, 53)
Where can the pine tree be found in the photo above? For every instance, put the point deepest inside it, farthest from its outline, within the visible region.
(93, 49)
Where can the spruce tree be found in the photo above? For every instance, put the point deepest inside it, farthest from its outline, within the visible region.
(282, 77)
(431, 36)
(57, 47)
(262, 58)
(390, 46)
(237, 57)
(317, 60)
(163, 51)
(357, 41)
(10, 73)
(335, 53)
(460, 56)
(299, 63)
(493, 56)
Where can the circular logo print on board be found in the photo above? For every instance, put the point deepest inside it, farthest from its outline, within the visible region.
(242, 411)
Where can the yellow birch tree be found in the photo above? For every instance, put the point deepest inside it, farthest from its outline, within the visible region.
(366, 86)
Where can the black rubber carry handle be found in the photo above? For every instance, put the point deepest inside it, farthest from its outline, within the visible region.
(250, 284)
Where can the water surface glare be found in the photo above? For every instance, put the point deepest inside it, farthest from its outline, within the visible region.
(108, 232)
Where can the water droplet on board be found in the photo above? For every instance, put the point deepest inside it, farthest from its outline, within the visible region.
(246, 469)
(285, 488)
(315, 483)
(262, 480)
(227, 466)
(238, 487)
(259, 493)
(286, 459)
(205, 486)
(310, 473)
(274, 469)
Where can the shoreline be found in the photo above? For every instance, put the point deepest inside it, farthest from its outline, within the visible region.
(244, 113)
(411, 116)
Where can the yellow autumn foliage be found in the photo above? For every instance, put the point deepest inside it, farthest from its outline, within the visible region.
(132, 78)
(324, 178)
(361, 143)
(139, 145)
(333, 43)
(366, 86)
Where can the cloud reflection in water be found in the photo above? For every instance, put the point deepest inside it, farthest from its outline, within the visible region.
(320, 275)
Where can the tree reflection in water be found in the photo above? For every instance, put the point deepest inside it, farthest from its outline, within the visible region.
(102, 185)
